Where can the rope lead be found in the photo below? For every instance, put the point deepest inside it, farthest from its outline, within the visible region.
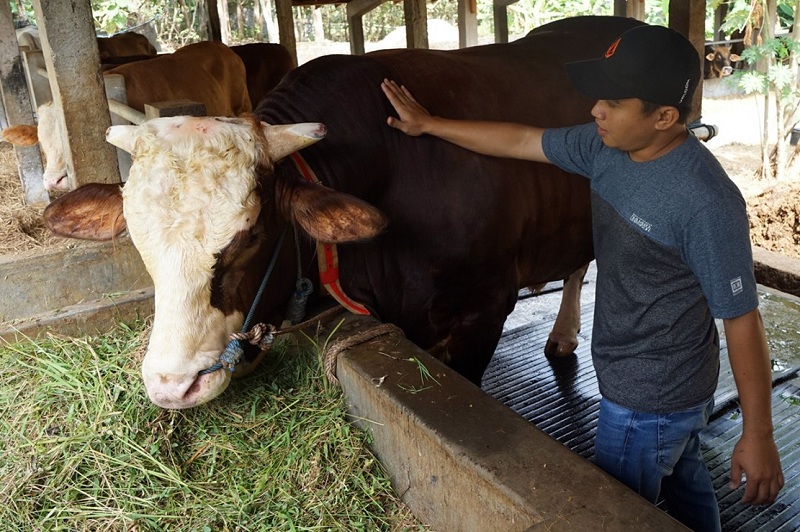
(296, 309)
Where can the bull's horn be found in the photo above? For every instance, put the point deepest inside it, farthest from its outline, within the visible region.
(122, 137)
(286, 139)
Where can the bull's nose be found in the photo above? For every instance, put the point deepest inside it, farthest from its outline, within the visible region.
(184, 391)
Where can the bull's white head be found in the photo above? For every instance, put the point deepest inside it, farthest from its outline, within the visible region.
(192, 191)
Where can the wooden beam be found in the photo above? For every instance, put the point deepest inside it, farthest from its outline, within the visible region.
(17, 105)
(362, 7)
(68, 29)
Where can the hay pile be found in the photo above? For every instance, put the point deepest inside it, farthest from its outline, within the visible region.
(21, 228)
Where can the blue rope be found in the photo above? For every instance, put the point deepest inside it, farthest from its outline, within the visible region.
(296, 309)
(234, 351)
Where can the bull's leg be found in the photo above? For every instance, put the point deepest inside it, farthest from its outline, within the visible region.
(563, 339)
(472, 342)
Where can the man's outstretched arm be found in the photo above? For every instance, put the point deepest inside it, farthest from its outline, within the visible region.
(499, 139)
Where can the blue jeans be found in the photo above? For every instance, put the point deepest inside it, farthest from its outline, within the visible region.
(659, 454)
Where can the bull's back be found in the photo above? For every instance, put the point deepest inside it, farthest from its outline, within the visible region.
(207, 72)
(430, 187)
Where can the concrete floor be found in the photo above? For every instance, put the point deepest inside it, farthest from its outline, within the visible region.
(563, 399)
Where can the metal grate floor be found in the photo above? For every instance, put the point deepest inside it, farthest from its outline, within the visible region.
(562, 399)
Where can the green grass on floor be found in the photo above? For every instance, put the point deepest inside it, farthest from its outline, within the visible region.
(81, 447)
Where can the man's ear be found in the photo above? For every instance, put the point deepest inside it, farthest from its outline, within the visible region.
(668, 116)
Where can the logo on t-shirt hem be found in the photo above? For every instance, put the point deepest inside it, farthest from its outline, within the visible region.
(736, 286)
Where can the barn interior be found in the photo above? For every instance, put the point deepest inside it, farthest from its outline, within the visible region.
(563, 403)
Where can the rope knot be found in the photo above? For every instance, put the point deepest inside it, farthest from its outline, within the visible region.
(232, 355)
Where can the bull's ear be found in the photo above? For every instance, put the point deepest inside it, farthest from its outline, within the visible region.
(123, 137)
(22, 135)
(331, 216)
(90, 212)
(735, 57)
(285, 139)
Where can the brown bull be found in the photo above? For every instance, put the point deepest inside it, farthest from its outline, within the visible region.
(433, 238)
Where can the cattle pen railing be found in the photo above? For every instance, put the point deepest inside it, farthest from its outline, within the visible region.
(38, 82)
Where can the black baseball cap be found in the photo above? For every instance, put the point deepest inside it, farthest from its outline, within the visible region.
(652, 63)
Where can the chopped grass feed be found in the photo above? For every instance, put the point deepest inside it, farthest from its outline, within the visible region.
(81, 447)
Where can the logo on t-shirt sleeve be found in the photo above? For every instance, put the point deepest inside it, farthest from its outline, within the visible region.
(736, 286)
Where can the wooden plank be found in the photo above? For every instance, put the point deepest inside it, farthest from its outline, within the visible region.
(70, 47)
(174, 108)
(17, 108)
(115, 92)
(94, 269)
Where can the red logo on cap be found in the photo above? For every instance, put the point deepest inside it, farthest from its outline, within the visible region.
(612, 48)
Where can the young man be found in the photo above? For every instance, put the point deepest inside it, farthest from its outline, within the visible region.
(672, 246)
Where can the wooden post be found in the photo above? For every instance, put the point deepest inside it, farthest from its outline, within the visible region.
(36, 76)
(356, 9)
(416, 17)
(635, 9)
(214, 28)
(283, 12)
(79, 100)
(467, 23)
(501, 20)
(688, 17)
(17, 106)
(355, 24)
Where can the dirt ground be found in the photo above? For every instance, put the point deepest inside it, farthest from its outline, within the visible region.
(774, 207)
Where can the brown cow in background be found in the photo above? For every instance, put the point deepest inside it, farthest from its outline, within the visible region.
(206, 72)
(125, 44)
(266, 64)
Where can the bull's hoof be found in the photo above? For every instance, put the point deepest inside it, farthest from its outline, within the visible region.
(559, 349)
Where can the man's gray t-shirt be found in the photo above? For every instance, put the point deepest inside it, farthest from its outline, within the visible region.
(671, 239)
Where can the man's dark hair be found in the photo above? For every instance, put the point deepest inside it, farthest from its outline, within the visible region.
(649, 108)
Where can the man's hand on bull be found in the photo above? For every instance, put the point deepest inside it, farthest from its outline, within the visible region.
(413, 117)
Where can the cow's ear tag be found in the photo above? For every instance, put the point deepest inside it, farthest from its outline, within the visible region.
(285, 139)
(123, 137)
